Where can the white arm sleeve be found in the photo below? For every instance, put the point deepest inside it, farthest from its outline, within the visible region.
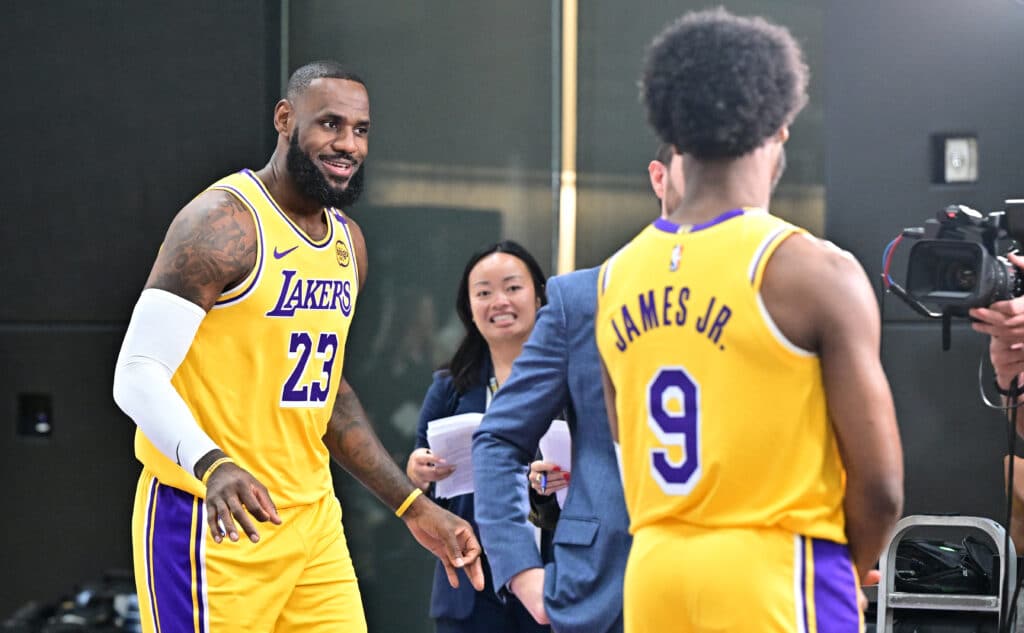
(159, 335)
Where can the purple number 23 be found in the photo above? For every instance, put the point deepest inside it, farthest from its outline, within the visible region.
(315, 392)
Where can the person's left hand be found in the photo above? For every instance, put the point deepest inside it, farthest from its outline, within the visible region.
(449, 538)
(548, 478)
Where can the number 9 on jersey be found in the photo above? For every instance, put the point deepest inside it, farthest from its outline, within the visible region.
(673, 412)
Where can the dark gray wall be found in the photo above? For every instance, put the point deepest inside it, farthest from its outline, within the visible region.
(615, 142)
(115, 114)
(897, 73)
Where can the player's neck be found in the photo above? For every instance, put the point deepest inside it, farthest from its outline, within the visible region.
(714, 187)
(282, 186)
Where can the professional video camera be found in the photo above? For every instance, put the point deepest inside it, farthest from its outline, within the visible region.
(959, 262)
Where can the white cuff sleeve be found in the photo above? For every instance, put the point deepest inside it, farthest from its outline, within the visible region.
(159, 336)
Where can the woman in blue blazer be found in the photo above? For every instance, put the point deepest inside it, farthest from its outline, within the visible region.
(500, 291)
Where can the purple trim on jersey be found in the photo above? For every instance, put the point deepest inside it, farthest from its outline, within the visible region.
(606, 274)
(171, 565)
(761, 250)
(835, 588)
(338, 215)
(351, 249)
(806, 627)
(266, 194)
(669, 226)
(665, 225)
(262, 250)
(145, 549)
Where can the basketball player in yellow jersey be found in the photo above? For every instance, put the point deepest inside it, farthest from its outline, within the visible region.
(761, 461)
(232, 370)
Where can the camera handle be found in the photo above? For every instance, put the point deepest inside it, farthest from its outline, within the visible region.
(922, 309)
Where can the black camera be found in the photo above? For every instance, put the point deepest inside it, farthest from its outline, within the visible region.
(959, 263)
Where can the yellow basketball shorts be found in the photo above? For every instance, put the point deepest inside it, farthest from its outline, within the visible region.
(751, 580)
(299, 577)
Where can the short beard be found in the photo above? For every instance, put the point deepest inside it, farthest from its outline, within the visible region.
(313, 184)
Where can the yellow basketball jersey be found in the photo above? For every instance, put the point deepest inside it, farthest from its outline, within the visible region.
(722, 421)
(264, 368)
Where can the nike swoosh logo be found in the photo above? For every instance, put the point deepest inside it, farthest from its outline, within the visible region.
(280, 254)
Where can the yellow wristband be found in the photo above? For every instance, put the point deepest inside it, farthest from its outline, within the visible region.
(214, 466)
(408, 502)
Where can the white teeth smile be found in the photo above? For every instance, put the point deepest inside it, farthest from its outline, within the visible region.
(503, 318)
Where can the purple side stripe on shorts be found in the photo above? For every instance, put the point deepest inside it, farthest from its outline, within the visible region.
(197, 545)
(171, 567)
(835, 588)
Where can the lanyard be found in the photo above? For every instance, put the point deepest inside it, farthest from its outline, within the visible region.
(492, 388)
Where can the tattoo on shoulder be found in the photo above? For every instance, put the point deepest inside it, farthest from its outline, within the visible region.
(208, 248)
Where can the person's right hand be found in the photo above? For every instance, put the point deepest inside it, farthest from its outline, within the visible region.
(556, 477)
(528, 586)
(232, 493)
(425, 466)
(1002, 319)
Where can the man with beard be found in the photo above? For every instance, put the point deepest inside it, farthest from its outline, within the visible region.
(760, 454)
(232, 370)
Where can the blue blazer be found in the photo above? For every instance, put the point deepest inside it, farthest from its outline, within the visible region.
(443, 400)
(558, 369)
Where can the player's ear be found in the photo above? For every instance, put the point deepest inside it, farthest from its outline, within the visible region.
(658, 173)
(284, 117)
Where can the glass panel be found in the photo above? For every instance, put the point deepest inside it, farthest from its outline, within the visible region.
(616, 144)
(460, 157)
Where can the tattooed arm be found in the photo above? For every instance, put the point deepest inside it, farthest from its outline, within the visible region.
(210, 246)
(354, 444)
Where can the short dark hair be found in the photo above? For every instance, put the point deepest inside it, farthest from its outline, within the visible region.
(324, 68)
(469, 358)
(716, 85)
(664, 154)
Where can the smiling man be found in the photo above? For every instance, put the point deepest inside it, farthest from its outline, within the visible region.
(232, 370)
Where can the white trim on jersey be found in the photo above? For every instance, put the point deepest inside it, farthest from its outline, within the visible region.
(777, 333)
(755, 261)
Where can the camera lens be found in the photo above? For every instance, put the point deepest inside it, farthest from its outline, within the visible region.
(959, 276)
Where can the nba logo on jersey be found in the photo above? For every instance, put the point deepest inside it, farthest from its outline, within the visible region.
(673, 262)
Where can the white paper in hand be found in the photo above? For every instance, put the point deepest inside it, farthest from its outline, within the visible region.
(452, 439)
(556, 447)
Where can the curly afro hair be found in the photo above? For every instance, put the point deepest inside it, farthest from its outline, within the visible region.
(716, 85)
